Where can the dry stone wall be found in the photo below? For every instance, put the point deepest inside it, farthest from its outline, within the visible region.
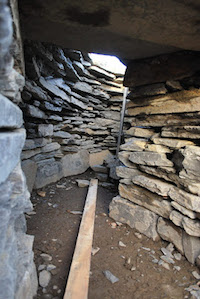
(159, 188)
(18, 278)
(71, 111)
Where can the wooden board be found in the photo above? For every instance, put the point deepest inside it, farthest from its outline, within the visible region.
(78, 280)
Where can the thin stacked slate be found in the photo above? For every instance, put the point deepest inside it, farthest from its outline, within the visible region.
(69, 106)
(160, 169)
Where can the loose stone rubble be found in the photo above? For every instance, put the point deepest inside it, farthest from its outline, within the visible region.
(71, 112)
(159, 175)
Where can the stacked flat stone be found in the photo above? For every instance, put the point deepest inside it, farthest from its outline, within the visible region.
(159, 189)
(71, 111)
(18, 278)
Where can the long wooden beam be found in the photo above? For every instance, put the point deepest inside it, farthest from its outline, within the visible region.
(78, 279)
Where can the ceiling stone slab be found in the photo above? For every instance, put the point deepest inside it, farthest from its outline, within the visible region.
(128, 29)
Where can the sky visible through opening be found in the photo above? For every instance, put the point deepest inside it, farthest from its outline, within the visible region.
(108, 62)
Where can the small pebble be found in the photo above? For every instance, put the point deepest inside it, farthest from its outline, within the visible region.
(196, 274)
(177, 268)
(46, 257)
(112, 278)
(121, 244)
(177, 256)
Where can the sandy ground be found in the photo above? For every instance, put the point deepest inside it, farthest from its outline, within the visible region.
(55, 231)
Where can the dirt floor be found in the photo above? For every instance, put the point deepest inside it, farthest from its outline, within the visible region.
(55, 230)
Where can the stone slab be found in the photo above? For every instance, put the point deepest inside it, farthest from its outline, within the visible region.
(191, 246)
(135, 216)
(11, 144)
(73, 164)
(145, 198)
(29, 168)
(10, 114)
(171, 233)
(150, 158)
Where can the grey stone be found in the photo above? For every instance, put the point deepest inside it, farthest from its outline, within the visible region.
(145, 198)
(45, 130)
(31, 153)
(29, 168)
(191, 246)
(176, 218)
(169, 232)
(11, 144)
(126, 172)
(191, 226)
(124, 158)
(73, 164)
(139, 132)
(183, 210)
(62, 134)
(135, 216)
(51, 86)
(99, 72)
(100, 168)
(51, 147)
(152, 184)
(36, 91)
(190, 163)
(34, 143)
(167, 259)
(83, 183)
(35, 112)
(185, 199)
(49, 171)
(112, 278)
(172, 143)
(10, 114)
(177, 256)
(44, 278)
(196, 274)
(150, 158)
(134, 144)
(148, 90)
(102, 177)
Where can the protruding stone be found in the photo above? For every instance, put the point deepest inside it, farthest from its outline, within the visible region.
(135, 216)
(191, 246)
(150, 158)
(171, 233)
(11, 144)
(10, 114)
(148, 200)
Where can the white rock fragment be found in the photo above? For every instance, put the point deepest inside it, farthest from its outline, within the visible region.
(112, 278)
(138, 235)
(46, 257)
(196, 274)
(155, 261)
(145, 248)
(95, 250)
(166, 266)
(167, 259)
(44, 278)
(177, 268)
(177, 256)
(121, 244)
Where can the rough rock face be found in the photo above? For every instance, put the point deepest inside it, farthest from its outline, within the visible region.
(71, 111)
(18, 278)
(161, 150)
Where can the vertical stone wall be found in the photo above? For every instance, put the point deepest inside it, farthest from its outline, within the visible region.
(17, 271)
(159, 189)
(71, 111)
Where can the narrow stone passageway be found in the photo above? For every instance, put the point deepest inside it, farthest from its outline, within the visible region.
(131, 257)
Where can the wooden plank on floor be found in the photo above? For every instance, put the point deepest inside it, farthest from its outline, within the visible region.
(78, 279)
